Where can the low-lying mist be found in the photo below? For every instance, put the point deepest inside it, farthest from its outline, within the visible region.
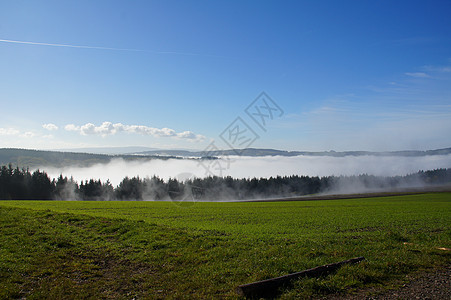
(260, 167)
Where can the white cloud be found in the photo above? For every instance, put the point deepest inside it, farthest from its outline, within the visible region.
(71, 127)
(108, 128)
(50, 126)
(90, 128)
(417, 74)
(9, 131)
(187, 135)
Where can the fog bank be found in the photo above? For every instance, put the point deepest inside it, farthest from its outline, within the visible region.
(248, 167)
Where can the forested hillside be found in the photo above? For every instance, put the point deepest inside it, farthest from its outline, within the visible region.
(21, 184)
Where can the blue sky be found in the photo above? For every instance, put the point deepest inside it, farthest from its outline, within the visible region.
(348, 75)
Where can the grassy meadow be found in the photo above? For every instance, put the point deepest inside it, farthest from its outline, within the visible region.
(130, 249)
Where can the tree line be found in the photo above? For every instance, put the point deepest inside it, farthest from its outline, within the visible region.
(22, 184)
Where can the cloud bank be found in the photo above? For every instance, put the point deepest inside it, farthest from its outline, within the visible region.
(108, 128)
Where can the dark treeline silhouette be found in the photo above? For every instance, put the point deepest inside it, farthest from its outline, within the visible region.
(21, 184)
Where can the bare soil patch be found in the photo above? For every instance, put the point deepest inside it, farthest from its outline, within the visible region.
(431, 284)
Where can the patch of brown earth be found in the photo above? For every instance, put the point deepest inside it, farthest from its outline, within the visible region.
(433, 284)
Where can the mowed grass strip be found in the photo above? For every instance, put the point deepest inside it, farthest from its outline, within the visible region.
(58, 249)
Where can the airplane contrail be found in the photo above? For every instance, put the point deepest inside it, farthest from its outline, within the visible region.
(67, 45)
(104, 48)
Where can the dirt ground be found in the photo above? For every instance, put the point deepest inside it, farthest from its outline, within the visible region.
(432, 284)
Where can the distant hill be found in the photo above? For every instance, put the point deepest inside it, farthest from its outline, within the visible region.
(273, 152)
(24, 158)
(108, 150)
(39, 158)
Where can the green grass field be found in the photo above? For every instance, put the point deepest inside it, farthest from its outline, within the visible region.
(64, 250)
